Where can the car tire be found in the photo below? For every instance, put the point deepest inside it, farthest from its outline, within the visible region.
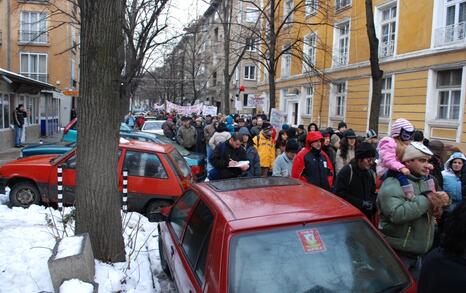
(155, 206)
(163, 260)
(24, 194)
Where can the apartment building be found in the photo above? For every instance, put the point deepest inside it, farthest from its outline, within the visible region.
(39, 40)
(422, 53)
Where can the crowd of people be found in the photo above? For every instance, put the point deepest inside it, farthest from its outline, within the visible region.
(405, 184)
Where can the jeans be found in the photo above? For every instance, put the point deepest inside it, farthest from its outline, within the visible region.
(18, 134)
(209, 152)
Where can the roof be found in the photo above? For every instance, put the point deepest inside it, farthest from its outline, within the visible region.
(262, 205)
(147, 146)
(14, 77)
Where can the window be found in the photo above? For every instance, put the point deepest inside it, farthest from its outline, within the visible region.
(33, 27)
(288, 11)
(387, 31)
(70, 163)
(180, 212)
(309, 91)
(252, 14)
(340, 4)
(309, 51)
(250, 72)
(386, 98)
(74, 44)
(455, 20)
(449, 94)
(286, 61)
(34, 65)
(340, 96)
(5, 110)
(311, 6)
(341, 46)
(180, 162)
(196, 238)
(250, 45)
(73, 74)
(245, 100)
(144, 165)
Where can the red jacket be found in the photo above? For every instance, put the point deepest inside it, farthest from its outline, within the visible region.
(299, 165)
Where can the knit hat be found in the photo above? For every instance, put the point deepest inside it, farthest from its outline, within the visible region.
(292, 146)
(365, 150)
(371, 133)
(399, 124)
(285, 127)
(416, 150)
(266, 126)
(244, 131)
(313, 136)
(349, 133)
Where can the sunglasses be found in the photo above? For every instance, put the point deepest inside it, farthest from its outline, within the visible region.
(406, 135)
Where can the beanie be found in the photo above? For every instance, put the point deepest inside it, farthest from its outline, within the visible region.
(313, 136)
(244, 131)
(292, 146)
(365, 150)
(416, 150)
(399, 124)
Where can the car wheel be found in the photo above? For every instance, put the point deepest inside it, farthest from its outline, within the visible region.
(163, 260)
(155, 206)
(23, 194)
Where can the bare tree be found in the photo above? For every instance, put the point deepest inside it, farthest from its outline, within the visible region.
(98, 202)
(376, 72)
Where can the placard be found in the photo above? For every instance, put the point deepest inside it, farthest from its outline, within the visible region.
(277, 118)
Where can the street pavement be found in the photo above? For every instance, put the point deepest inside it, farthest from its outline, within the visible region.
(13, 153)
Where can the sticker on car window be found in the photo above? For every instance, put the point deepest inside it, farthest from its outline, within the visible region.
(310, 240)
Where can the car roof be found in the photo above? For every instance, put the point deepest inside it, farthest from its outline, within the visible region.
(248, 203)
(140, 134)
(146, 146)
(150, 120)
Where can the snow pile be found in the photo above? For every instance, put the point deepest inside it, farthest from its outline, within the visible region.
(69, 246)
(29, 235)
(75, 285)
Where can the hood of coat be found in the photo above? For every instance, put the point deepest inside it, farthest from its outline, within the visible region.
(456, 155)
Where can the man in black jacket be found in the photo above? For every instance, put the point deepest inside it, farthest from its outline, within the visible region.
(226, 157)
(18, 120)
(356, 181)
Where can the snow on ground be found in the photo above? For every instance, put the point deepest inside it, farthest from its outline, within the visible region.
(28, 237)
(69, 246)
(75, 285)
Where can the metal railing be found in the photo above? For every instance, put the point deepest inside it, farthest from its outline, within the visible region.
(386, 49)
(33, 37)
(451, 34)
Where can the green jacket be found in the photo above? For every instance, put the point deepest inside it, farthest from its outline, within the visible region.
(408, 225)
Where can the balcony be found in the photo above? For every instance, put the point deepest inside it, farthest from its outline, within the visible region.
(33, 37)
(450, 35)
(386, 49)
(37, 76)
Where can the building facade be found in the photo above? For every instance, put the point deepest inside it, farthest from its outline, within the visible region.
(422, 51)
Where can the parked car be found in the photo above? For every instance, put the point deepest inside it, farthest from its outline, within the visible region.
(46, 149)
(70, 132)
(157, 175)
(153, 126)
(274, 235)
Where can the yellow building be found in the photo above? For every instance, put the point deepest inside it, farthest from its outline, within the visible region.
(422, 53)
(39, 39)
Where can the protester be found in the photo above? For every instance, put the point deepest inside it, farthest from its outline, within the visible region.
(187, 134)
(251, 151)
(200, 140)
(280, 145)
(452, 178)
(19, 117)
(444, 268)
(437, 160)
(356, 182)
(140, 122)
(221, 135)
(130, 120)
(266, 148)
(312, 165)
(230, 124)
(391, 150)
(312, 127)
(226, 158)
(301, 135)
(326, 147)
(346, 151)
(338, 135)
(408, 223)
(169, 128)
(284, 162)
(257, 128)
(419, 136)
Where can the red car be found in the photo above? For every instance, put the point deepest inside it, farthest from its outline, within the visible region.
(274, 235)
(157, 175)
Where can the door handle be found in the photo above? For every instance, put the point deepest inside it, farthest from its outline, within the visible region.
(172, 251)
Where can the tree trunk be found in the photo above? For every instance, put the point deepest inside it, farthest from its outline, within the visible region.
(376, 73)
(98, 202)
(226, 51)
(272, 64)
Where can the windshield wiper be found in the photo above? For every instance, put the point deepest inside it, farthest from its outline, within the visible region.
(394, 288)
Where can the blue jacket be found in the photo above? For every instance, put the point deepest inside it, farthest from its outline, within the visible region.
(452, 182)
(229, 123)
(254, 162)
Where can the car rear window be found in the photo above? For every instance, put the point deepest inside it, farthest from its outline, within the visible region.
(181, 163)
(152, 125)
(184, 152)
(244, 183)
(329, 257)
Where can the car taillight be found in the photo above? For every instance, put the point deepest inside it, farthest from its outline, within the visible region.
(186, 182)
(197, 170)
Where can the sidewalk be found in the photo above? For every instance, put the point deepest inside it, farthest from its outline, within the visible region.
(13, 153)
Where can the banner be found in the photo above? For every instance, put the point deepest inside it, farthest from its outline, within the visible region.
(186, 110)
(277, 118)
(254, 101)
(209, 110)
(159, 107)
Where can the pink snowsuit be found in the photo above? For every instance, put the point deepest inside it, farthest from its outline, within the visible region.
(387, 156)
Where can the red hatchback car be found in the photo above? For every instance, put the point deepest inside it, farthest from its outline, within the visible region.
(274, 235)
(157, 176)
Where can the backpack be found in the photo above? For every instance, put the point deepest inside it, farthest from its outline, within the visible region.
(214, 173)
(351, 174)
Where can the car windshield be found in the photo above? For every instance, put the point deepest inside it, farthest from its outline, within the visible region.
(345, 256)
(59, 157)
(152, 125)
(181, 163)
(184, 152)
